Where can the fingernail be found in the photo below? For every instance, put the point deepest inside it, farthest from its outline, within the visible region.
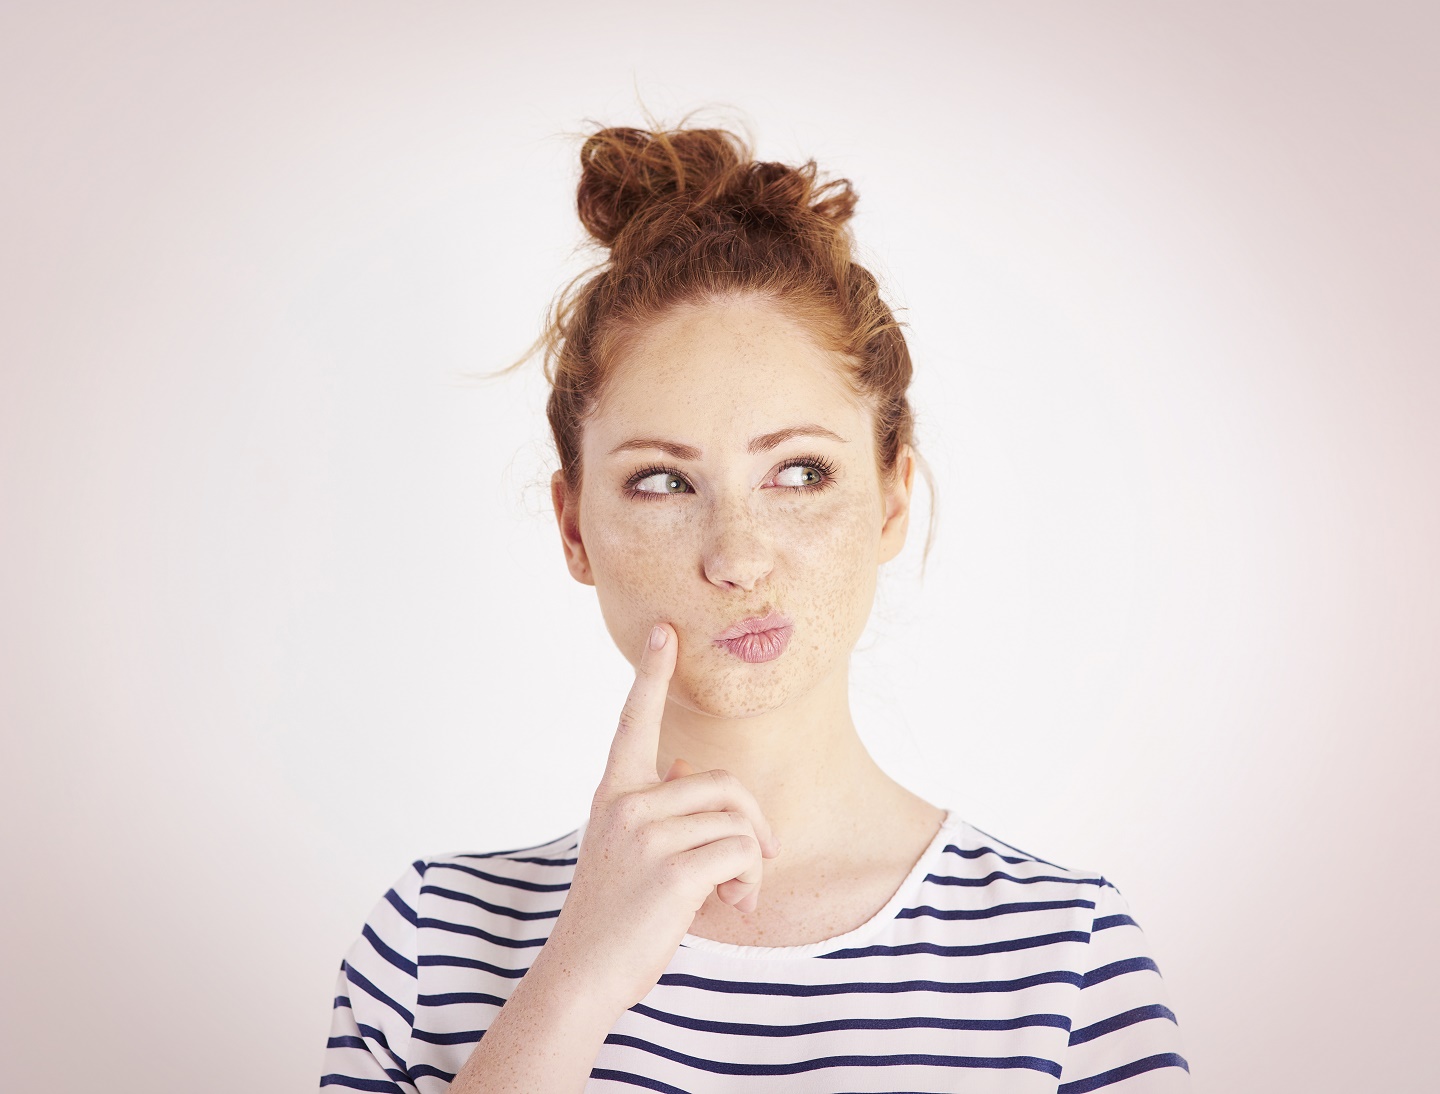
(657, 637)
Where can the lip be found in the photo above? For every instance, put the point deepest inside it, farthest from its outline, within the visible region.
(759, 638)
(773, 621)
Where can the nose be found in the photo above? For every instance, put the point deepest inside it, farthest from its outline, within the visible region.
(737, 553)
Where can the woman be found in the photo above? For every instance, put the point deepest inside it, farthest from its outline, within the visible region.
(752, 902)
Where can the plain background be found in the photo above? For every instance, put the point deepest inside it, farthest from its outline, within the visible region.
(282, 604)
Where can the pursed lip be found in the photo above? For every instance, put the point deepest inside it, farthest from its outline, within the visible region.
(774, 621)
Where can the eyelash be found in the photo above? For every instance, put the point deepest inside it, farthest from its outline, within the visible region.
(824, 466)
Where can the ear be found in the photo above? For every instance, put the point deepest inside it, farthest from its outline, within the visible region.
(897, 506)
(567, 515)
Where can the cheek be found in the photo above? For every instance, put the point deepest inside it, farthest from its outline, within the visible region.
(833, 569)
(643, 569)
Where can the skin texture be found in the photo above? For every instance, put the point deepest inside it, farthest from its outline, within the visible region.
(726, 541)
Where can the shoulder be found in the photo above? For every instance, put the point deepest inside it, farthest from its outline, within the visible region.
(1121, 1024)
(442, 903)
(974, 856)
(1005, 878)
(436, 889)
(530, 868)
(512, 894)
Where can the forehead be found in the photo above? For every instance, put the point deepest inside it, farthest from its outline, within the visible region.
(719, 371)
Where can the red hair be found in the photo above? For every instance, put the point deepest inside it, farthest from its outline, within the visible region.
(689, 216)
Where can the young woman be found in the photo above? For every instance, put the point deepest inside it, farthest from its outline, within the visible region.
(752, 903)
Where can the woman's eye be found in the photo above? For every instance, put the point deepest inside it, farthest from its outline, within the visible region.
(799, 475)
(661, 483)
(804, 475)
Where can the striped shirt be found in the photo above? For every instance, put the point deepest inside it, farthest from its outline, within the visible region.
(989, 971)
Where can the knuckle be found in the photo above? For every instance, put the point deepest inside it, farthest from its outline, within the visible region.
(680, 871)
(647, 839)
(628, 809)
(721, 778)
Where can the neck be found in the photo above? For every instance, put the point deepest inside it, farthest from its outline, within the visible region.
(804, 762)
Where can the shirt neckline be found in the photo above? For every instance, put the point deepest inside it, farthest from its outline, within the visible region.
(859, 935)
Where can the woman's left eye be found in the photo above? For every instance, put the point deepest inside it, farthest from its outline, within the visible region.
(809, 474)
(799, 475)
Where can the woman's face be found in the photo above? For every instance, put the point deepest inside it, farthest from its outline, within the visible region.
(736, 519)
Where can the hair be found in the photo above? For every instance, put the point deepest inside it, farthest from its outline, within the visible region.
(689, 216)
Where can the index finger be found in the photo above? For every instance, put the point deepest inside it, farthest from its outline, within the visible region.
(636, 745)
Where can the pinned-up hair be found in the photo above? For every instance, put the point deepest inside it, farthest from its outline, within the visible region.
(689, 216)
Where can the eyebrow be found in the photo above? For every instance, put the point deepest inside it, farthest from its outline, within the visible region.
(762, 443)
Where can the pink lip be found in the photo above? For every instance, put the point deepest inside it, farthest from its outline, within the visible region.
(758, 638)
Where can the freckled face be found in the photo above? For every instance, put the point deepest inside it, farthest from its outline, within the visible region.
(710, 538)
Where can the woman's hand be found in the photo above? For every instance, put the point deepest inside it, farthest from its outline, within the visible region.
(654, 850)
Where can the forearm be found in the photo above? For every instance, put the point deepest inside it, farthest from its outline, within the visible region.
(544, 1040)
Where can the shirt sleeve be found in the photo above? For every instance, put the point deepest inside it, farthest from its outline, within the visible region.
(375, 992)
(1123, 1035)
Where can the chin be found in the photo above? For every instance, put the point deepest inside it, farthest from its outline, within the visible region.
(719, 708)
(738, 692)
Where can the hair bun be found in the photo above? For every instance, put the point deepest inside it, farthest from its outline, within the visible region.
(625, 171)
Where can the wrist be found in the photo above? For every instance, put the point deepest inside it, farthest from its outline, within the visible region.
(571, 994)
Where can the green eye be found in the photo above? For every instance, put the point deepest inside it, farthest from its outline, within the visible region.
(814, 475)
(670, 480)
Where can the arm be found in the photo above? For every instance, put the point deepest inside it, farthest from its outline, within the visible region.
(545, 1038)
(1122, 1027)
(375, 993)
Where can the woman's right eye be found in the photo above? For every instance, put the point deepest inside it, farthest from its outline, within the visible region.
(659, 482)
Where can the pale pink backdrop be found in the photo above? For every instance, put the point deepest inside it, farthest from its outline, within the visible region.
(281, 607)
